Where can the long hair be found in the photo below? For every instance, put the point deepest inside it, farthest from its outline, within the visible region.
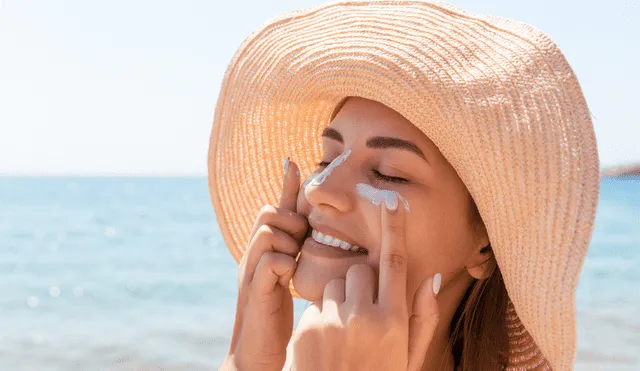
(479, 339)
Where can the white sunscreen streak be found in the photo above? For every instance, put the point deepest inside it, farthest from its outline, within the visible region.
(308, 180)
(377, 196)
(319, 178)
(329, 169)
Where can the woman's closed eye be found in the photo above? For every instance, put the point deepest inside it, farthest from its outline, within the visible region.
(376, 173)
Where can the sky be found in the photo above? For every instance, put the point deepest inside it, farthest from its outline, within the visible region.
(128, 87)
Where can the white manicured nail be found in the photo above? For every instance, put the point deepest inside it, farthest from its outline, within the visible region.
(286, 165)
(391, 201)
(437, 281)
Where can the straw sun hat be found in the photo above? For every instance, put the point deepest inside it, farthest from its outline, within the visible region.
(498, 99)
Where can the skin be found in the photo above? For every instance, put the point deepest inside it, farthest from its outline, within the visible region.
(358, 327)
(405, 251)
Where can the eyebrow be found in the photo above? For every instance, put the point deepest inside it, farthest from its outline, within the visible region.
(379, 142)
(333, 134)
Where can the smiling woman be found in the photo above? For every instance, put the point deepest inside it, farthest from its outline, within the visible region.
(450, 193)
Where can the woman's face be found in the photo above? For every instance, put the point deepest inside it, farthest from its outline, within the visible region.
(385, 152)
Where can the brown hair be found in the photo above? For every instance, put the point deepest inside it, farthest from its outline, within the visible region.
(479, 338)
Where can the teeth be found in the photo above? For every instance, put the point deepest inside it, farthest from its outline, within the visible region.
(327, 239)
(332, 241)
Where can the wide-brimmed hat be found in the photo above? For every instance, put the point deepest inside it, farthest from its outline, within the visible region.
(498, 99)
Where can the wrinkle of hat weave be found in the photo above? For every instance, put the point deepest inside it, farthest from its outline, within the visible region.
(498, 99)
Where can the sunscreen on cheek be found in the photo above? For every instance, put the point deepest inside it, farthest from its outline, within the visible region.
(377, 196)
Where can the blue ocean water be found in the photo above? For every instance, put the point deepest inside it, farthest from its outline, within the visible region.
(132, 274)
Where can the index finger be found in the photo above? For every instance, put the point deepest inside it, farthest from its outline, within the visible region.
(290, 186)
(393, 257)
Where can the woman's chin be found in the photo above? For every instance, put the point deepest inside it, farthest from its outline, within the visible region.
(314, 272)
(310, 283)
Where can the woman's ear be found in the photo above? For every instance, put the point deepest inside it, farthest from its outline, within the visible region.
(481, 263)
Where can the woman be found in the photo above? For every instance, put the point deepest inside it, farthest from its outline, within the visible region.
(450, 198)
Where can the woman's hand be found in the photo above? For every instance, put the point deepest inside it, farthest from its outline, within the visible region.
(264, 311)
(353, 330)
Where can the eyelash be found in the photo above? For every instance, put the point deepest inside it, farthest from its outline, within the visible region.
(377, 174)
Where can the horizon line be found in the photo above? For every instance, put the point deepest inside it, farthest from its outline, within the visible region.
(603, 169)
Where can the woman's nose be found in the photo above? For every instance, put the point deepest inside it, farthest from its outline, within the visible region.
(328, 189)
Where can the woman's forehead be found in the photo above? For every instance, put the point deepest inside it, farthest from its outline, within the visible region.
(363, 114)
(361, 118)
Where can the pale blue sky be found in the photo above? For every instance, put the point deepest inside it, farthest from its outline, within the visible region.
(129, 86)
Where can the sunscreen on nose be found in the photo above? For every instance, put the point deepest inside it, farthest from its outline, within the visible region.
(308, 180)
(324, 174)
(377, 196)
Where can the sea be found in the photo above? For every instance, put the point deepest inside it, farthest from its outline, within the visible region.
(123, 273)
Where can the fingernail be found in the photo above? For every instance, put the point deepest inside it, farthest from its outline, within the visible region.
(391, 201)
(437, 281)
(286, 165)
(298, 173)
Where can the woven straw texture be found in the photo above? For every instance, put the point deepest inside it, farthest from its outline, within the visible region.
(498, 99)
